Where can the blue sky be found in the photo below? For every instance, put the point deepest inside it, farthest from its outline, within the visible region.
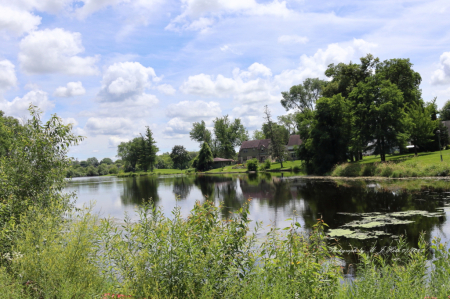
(112, 67)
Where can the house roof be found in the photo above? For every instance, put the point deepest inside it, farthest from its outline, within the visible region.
(222, 160)
(255, 143)
(294, 140)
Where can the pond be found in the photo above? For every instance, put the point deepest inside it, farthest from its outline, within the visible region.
(360, 214)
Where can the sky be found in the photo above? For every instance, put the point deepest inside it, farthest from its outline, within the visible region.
(113, 67)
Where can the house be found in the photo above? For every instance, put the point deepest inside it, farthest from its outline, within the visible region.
(221, 162)
(251, 149)
(294, 142)
(259, 149)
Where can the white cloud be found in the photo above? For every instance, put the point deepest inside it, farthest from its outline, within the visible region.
(19, 106)
(70, 90)
(200, 14)
(8, 77)
(166, 89)
(177, 128)
(292, 39)
(315, 65)
(70, 120)
(442, 74)
(114, 141)
(245, 86)
(17, 21)
(127, 81)
(194, 111)
(109, 125)
(49, 6)
(55, 51)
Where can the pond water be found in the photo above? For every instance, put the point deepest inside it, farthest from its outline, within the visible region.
(361, 214)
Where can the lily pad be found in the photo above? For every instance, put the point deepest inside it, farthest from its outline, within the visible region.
(339, 232)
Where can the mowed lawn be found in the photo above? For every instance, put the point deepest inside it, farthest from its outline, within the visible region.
(275, 166)
(424, 158)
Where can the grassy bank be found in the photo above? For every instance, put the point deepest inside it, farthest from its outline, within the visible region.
(398, 166)
(155, 172)
(203, 256)
(287, 166)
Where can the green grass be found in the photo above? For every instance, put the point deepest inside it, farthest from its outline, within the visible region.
(155, 171)
(398, 166)
(274, 167)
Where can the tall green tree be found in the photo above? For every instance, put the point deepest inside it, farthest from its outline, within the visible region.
(329, 134)
(180, 156)
(277, 146)
(386, 119)
(147, 151)
(129, 153)
(288, 121)
(303, 96)
(422, 126)
(281, 131)
(258, 135)
(200, 133)
(9, 128)
(229, 134)
(205, 158)
(92, 161)
(444, 113)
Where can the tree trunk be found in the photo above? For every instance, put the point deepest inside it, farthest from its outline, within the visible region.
(382, 151)
(415, 150)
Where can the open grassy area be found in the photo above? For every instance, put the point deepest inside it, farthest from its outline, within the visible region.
(274, 167)
(155, 171)
(427, 164)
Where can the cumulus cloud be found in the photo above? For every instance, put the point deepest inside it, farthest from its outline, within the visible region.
(442, 74)
(292, 39)
(194, 111)
(109, 125)
(19, 106)
(55, 51)
(200, 14)
(315, 65)
(126, 81)
(70, 90)
(70, 120)
(114, 141)
(177, 128)
(17, 21)
(251, 85)
(8, 77)
(166, 89)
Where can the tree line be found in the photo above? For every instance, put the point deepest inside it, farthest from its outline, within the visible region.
(374, 106)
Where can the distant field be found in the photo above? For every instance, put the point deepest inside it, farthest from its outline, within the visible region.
(427, 157)
(275, 166)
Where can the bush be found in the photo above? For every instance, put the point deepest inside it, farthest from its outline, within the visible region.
(114, 170)
(267, 164)
(296, 169)
(252, 165)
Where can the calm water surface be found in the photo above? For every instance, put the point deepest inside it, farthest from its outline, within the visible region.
(276, 198)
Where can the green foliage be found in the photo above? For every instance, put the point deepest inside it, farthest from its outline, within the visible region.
(277, 147)
(252, 165)
(421, 125)
(147, 151)
(327, 145)
(204, 158)
(180, 157)
(164, 161)
(107, 161)
(113, 170)
(444, 113)
(9, 127)
(92, 161)
(258, 135)
(33, 172)
(129, 153)
(229, 134)
(267, 164)
(281, 132)
(200, 133)
(303, 97)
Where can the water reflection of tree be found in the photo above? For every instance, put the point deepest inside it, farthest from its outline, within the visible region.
(182, 186)
(139, 189)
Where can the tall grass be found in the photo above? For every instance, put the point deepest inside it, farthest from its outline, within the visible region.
(391, 169)
(203, 256)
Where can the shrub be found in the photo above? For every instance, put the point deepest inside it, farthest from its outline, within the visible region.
(113, 170)
(252, 165)
(296, 169)
(368, 170)
(267, 164)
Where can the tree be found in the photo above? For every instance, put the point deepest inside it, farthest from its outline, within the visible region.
(386, 119)
(288, 121)
(277, 146)
(229, 134)
(200, 133)
(180, 156)
(421, 125)
(147, 151)
(444, 113)
(258, 135)
(164, 161)
(92, 161)
(129, 153)
(9, 128)
(303, 96)
(330, 134)
(32, 174)
(280, 130)
(205, 158)
(106, 161)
